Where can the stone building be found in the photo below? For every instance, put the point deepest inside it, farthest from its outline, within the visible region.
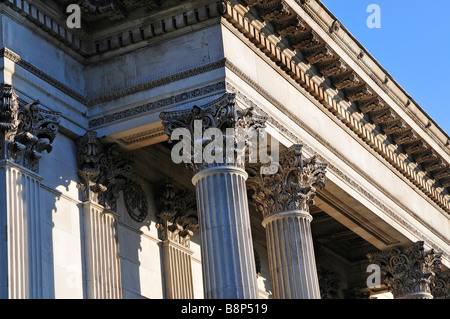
(92, 204)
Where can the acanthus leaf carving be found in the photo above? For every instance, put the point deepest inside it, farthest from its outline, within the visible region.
(177, 214)
(26, 130)
(221, 114)
(292, 186)
(409, 270)
(440, 287)
(106, 170)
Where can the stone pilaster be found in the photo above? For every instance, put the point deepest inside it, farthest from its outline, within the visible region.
(177, 221)
(284, 198)
(25, 132)
(226, 241)
(102, 253)
(105, 170)
(408, 270)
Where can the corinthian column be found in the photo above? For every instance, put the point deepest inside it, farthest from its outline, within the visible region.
(220, 179)
(26, 131)
(408, 270)
(283, 196)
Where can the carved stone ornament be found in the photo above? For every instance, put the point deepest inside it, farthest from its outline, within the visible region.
(177, 215)
(25, 130)
(409, 270)
(135, 201)
(440, 288)
(114, 10)
(291, 185)
(223, 115)
(328, 283)
(105, 171)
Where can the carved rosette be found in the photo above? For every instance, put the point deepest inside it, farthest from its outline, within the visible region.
(106, 170)
(291, 184)
(409, 270)
(26, 130)
(223, 115)
(177, 215)
(135, 201)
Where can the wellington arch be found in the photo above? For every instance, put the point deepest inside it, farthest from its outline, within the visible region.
(93, 206)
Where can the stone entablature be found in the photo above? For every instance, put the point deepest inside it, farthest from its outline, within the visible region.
(417, 154)
(85, 45)
(303, 38)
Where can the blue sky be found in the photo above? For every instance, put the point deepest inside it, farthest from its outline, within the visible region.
(413, 45)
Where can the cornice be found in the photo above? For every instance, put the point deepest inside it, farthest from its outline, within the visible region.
(89, 48)
(329, 146)
(344, 177)
(359, 96)
(359, 57)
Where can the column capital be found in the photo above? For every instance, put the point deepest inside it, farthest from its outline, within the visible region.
(224, 146)
(25, 129)
(290, 185)
(177, 215)
(408, 270)
(106, 170)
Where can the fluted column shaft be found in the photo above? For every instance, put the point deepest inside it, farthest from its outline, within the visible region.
(291, 256)
(178, 271)
(102, 253)
(229, 270)
(284, 197)
(20, 248)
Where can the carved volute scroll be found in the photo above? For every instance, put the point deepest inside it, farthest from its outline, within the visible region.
(292, 187)
(440, 287)
(106, 170)
(409, 270)
(26, 130)
(177, 215)
(222, 114)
